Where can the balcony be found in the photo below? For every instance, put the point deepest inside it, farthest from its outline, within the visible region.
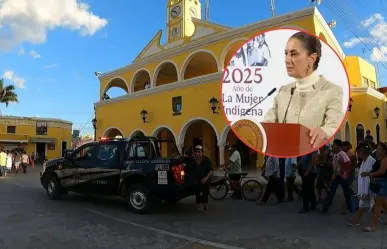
(196, 81)
(13, 138)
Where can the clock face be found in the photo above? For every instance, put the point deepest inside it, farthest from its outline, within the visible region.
(192, 11)
(249, 133)
(175, 32)
(175, 11)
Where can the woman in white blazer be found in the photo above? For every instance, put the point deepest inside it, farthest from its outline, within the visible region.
(311, 100)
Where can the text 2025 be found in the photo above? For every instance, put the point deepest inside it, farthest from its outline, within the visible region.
(246, 76)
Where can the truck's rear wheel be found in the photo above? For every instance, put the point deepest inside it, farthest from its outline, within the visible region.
(139, 198)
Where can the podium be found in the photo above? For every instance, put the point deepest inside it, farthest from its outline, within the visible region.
(287, 140)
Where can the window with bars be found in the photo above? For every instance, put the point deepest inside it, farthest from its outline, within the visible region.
(372, 84)
(365, 82)
(11, 129)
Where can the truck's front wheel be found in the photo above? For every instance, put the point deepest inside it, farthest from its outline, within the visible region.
(139, 198)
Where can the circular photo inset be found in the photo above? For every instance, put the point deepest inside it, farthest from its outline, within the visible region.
(285, 93)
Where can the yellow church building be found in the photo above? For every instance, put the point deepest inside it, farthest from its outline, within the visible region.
(173, 89)
(44, 136)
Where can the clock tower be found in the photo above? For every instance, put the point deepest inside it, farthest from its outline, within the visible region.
(179, 22)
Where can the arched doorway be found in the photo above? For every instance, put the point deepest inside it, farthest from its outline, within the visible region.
(347, 132)
(359, 133)
(113, 133)
(201, 132)
(338, 134)
(198, 64)
(249, 157)
(167, 148)
(137, 133)
(377, 133)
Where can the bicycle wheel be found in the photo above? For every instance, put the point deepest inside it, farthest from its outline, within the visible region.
(251, 190)
(219, 192)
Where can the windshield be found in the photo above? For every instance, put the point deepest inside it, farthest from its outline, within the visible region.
(168, 148)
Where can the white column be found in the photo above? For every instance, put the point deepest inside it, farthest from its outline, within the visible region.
(221, 153)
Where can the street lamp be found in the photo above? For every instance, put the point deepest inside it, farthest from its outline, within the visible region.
(94, 122)
(144, 114)
(214, 102)
(377, 111)
(350, 104)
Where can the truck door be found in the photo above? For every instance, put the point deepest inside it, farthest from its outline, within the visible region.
(106, 170)
(82, 161)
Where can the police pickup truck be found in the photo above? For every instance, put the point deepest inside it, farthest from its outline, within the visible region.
(133, 169)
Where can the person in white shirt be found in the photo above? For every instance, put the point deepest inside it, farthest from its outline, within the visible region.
(366, 198)
(25, 162)
(272, 173)
(9, 160)
(234, 169)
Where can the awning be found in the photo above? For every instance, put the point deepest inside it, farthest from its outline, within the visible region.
(13, 141)
(43, 140)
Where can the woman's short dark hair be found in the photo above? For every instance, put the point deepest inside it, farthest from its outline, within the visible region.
(347, 144)
(338, 142)
(311, 43)
(365, 147)
(372, 145)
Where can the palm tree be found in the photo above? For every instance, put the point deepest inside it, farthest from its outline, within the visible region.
(7, 94)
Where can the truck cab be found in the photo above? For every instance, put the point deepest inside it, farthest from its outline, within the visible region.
(133, 169)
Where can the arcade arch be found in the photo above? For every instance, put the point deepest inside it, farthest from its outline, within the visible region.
(116, 87)
(167, 149)
(113, 132)
(200, 131)
(199, 63)
(137, 133)
(166, 73)
(141, 80)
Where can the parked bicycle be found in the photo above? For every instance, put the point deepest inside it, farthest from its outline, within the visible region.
(251, 189)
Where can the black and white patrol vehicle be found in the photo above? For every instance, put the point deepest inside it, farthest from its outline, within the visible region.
(133, 169)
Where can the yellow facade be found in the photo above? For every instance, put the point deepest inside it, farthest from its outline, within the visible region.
(366, 98)
(192, 69)
(38, 135)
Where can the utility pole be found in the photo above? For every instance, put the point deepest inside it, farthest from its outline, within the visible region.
(272, 7)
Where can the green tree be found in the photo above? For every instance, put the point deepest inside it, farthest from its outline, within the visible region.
(7, 94)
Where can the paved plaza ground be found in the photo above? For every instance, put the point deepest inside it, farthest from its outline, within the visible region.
(30, 220)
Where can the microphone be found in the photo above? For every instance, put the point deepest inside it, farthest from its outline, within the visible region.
(290, 100)
(268, 95)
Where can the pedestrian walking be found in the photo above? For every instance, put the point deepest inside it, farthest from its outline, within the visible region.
(9, 161)
(32, 160)
(272, 173)
(342, 168)
(366, 197)
(17, 157)
(3, 162)
(290, 174)
(324, 172)
(378, 185)
(25, 161)
(307, 171)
